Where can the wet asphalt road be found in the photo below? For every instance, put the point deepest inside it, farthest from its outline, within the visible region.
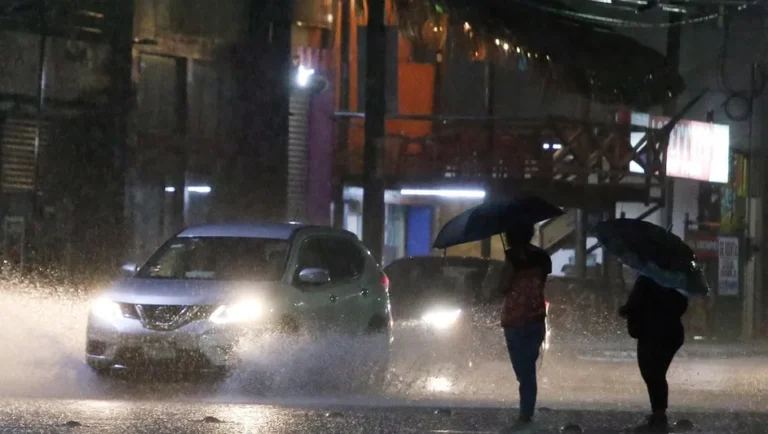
(107, 417)
(601, 393)
(44, 383)
(612, 381)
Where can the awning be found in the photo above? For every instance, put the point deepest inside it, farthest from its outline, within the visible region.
(593, 61)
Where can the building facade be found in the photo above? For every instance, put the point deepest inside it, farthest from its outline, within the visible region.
(131, 121)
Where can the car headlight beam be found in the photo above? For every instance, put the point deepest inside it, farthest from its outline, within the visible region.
(441, 318)
(242, 312)
(106, 309)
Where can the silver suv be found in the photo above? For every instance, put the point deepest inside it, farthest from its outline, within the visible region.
(189, 306)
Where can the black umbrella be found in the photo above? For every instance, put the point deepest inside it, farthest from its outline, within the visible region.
(653, 251)
(494, 217)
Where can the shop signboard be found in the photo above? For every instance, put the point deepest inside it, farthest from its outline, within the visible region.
(704, 245)
(728, 266)
(697, 150)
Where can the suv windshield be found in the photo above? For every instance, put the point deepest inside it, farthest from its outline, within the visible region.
(214, 258)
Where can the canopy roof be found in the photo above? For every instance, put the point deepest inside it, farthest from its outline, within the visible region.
(591, 60)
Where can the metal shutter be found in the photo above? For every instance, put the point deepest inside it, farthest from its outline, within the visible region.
(298, 155)
(17, 153)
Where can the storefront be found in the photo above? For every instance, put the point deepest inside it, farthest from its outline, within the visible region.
(709, 213)
(413, 218)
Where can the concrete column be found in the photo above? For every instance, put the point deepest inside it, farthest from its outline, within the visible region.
(179, 187)
(490, 109)
(670, 109)
(342, 139)
(121, 99)
(754, 275)
(375, 129)
(486, 244)
(609, 274)
(265, 71)
(580, 247)
(608, 260)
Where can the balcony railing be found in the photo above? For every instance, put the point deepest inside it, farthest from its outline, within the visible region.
(482, 149)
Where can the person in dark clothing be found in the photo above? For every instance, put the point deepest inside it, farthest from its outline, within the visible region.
(654, 318)
(523, 315)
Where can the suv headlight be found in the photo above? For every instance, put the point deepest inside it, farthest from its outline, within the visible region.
(441, 318)
(246, 311)
(106, 309)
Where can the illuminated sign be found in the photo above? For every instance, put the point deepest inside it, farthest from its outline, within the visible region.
(705, 246)
(697, 150)
(728, 273)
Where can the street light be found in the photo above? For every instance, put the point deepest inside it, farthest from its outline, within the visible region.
(456, 194)
(303, 76)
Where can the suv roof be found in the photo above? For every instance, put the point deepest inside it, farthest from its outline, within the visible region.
(277, 231)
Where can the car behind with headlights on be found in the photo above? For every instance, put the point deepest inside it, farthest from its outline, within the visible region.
(446, 312)
(208, 288)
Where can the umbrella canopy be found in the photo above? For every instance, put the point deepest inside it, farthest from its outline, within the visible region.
(494, 217)
(653, 251)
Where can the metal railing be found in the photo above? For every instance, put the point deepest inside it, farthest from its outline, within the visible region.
(459, 148)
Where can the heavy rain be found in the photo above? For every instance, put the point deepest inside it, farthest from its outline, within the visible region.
(382, 216)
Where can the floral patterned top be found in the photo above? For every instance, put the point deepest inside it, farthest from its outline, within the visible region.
(523, 285)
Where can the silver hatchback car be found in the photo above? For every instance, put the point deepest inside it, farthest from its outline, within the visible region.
(204, 290)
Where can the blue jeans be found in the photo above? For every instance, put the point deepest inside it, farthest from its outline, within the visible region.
(523, 344)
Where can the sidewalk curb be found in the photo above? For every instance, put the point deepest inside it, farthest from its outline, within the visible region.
(687, 351)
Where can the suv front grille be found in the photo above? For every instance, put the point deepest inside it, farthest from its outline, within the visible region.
(129, 310)
(161, 314)
(165, 317)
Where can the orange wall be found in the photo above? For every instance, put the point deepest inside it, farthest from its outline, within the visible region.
(415, 96)
(408, 83)
(415, 83)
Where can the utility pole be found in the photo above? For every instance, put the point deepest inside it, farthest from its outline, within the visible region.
(752, 309)
(580, 248)
(122, 103)
(486, 163)
(30, 226)
(582, 215)
(670, 109)
(375, 129)
(343, 124)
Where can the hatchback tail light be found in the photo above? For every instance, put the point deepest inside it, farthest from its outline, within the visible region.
(385, 281)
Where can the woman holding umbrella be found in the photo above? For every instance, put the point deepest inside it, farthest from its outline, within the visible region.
(666, 276)
(524, 311)
(654, 318)
(522, 282)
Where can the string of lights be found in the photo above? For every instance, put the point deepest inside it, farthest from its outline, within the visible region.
(618, 22)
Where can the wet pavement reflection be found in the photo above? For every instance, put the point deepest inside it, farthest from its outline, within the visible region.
(299, 387)
(94, 416)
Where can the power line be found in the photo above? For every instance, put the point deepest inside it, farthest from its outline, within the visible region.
(617, 22)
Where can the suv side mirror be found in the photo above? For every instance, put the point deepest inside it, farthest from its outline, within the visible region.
(129, 269)
(314, 276)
